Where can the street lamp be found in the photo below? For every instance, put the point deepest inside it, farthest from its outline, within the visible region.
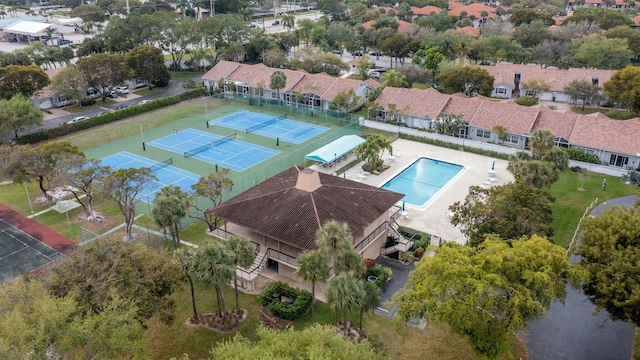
(65, 205)
(335, 160)
(28, 197)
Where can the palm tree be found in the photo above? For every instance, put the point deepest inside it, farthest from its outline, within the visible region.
(50, 32)
(350, 261)
(288, 21)
(242, 254)
(213, 265)
(541, 142)
(278, 81)
(169, 207)
(345, 292)
(184, 256)
(395, 79)
(333, 238)
(371, 299)
(312, 267)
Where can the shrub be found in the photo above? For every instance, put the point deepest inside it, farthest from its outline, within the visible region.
(407, 257)
(281, 309)
(66, 129)
(632, 177)
(526, 101)
(552, 107)
(383, 274)
(620, 114)
(87, 101)
(581, 155)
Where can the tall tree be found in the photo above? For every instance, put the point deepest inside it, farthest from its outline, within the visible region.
(363, 65)
(601, 52)
(213, 265)
(24, 80)
(84, 176)
(489, 291)
(394, 78)
(345, 292)
(581, 90)
(468, 80)
(71, 82)
(312, 267)
(103, 71)
(179, 37)
(124, 187)
(609, 252)
(17, 114)
(211, 187)
(448, 124)
(146, 63)
(278, 81)
(288, 21)
(104, 269)
(510, 211)
(185, 257)
(39, 164)
(623, 87)
(541, 142)
(242, 254)
(333, 238)
(371, 299)
(170, 206)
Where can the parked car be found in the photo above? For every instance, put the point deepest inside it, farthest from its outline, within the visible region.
(277, 22)
(252, 26)
(112, 94)
(144, 101)
(337, 51)
(121, 89)
(120, 107)
(357, 53)
(77, 119)
(375, 53)
(103, 112)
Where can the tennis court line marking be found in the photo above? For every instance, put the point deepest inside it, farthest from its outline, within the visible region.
(25, 244)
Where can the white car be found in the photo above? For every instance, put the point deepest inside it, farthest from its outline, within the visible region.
(77, 119)
(121, 89)
(144, 102)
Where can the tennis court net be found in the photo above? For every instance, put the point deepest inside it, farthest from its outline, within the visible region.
(197, 150)
(160, 164)
(302, 132)
(223, 140)
(266, 123)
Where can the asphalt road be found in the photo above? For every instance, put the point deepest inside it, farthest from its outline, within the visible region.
(574, 330)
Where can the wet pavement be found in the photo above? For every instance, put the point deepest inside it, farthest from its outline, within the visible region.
(399, 277)
(574, 330)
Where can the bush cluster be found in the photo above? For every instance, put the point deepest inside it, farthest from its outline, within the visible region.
(526, 101)
(65, 129)
(581, 155)
(620, 114)
(302, 301)
(448, 145)
(383, 274)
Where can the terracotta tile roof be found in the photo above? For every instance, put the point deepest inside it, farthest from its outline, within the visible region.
(636, 20)
(474, 9)
(221, 70)
(293, 77)
(368, 24)
(556, 78)
(559, 122)
(403, 26)
(425, 10)
(618, 2)
(372, 83)
(53, 72)
(516, 118)
(462, 105)
(277, 209)
(423, 103)
(469, 30)
(600, 132)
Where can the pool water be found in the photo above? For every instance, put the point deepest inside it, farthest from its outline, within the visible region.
(422, 180)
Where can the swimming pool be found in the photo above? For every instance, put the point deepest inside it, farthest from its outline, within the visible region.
(422, 179)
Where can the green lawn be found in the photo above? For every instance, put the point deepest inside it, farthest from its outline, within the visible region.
(571, 203)
(184, 74)
(98, 104)
(420, 86)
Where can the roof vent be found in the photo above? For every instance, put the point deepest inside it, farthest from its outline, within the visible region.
(308, 180)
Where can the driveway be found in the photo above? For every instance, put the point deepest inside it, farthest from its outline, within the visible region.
(574, 330)
(399, 277)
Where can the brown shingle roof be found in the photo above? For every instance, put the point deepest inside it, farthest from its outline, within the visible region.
(559, 122)
(462, 105)
(426, 10)
(516, 118)
(279, 210)
(221, 70)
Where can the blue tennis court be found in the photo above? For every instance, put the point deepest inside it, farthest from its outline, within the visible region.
(225, 151)
(292, 131)
(167, 174)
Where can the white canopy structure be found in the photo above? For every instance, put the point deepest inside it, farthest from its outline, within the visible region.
(72, 22)
(29, 28)
(335, 149)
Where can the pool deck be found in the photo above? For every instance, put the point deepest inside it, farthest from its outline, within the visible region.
(433, 217)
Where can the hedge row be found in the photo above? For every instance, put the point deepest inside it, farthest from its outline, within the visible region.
(581, 155)
(449, 145)
(66, 129)
(282, 309)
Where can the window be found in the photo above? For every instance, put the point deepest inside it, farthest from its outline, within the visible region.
(512, 139)
(483, 133)
(501, 90)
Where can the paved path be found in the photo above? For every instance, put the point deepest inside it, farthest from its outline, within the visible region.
(574, 330)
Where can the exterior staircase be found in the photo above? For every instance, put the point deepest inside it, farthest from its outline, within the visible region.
(254, 270)
(402, 244)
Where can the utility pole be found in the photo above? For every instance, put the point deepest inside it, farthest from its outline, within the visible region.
(212, 8)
